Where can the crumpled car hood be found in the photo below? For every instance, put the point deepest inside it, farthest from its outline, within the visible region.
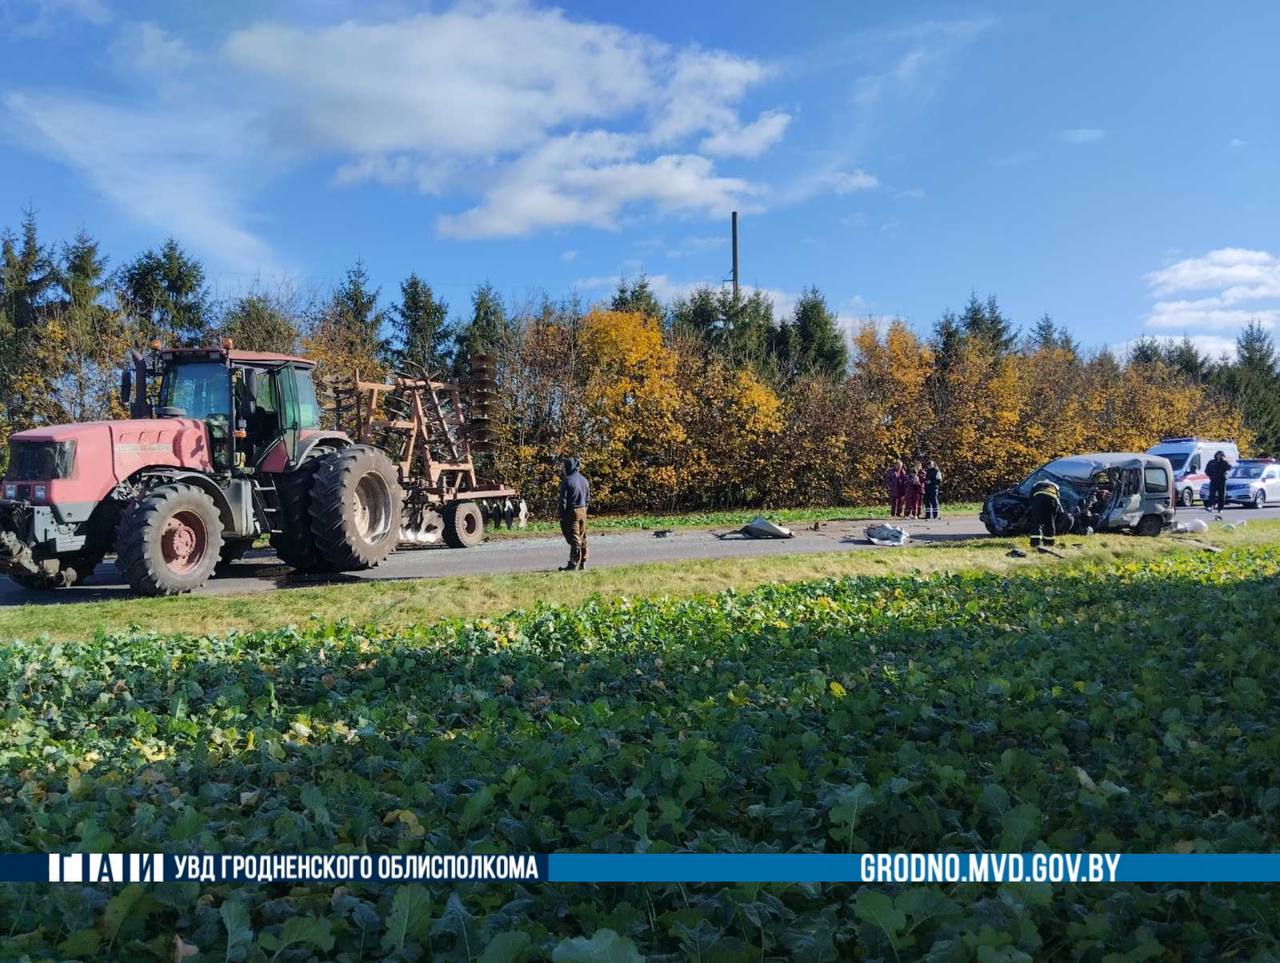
(1005, 512)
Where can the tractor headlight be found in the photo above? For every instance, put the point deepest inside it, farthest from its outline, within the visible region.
(40, 493)
(11, 491)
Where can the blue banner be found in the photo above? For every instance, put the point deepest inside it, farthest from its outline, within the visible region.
(877, 868)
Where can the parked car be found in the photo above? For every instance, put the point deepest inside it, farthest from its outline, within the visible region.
(1253, 482)
(1105, 491)
(1188, 456)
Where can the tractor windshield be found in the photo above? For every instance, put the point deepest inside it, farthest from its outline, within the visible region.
(198, 389)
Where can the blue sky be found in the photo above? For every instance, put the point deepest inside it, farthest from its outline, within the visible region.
(1111, 164)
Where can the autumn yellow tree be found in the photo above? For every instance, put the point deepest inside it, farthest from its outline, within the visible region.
(632, 437)
(731, 421)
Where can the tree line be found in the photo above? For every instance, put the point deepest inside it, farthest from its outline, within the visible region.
(712, 400)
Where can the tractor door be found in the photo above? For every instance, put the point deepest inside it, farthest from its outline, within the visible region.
(258, 400)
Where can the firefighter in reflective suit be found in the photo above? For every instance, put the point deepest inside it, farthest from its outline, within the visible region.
(1045, 502)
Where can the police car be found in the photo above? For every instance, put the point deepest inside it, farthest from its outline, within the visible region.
(1254, 482)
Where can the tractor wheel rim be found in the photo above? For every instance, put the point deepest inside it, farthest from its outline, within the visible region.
(183, 542)
(372, 506)
(470, 522)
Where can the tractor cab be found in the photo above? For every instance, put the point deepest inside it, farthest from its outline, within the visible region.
(255, 405)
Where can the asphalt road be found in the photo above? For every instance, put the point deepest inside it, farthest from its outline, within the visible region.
(260, 571)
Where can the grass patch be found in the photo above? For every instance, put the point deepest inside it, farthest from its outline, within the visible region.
(423, 601)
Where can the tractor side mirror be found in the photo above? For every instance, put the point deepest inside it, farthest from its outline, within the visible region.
(251, 390)
(126, 387)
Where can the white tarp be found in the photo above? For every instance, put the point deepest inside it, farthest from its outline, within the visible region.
(887, 535)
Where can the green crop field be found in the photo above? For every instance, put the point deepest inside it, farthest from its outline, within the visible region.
(1108, 704)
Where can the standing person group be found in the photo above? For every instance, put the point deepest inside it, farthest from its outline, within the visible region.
(914, 493)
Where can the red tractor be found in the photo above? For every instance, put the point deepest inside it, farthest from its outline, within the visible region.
(231, 449)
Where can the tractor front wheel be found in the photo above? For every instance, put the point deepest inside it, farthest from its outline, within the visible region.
(169, 540)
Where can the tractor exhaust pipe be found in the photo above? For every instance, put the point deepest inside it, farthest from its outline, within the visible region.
(138, 407)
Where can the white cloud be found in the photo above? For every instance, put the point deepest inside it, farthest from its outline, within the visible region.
(147, 48)
(1229, 286)
(536, 118)
(518, 104)
(827, 180)
(1210, 345)
(182, 175)
(912, 194)
(1237, 142)
(1081, 135)
(751, 140)
(568, 255)
(591, 179)
(1241, 274)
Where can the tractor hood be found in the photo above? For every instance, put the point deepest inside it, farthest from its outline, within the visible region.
(97, 455)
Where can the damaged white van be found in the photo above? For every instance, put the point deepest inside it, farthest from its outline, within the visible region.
(1102, 492)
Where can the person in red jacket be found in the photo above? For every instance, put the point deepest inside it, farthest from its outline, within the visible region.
(895, 480)
(915, 490)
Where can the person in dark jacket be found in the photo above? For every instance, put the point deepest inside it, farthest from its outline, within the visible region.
(1217, 470)
(575, 492)
(932, 489)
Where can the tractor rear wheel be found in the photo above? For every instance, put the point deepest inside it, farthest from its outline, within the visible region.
(356, 502)
(463, 524)
(295, 545)
(169, 540)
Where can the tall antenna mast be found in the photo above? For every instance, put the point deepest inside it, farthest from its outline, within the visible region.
(735, 255)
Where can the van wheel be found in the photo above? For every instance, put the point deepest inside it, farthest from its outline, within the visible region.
(1260, 499)
(1186, 498)
(1150, 525)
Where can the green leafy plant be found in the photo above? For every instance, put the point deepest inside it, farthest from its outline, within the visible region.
(1114, 705)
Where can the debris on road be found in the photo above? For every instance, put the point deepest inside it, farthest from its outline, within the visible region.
(760, 527)
(1016, 553)
(663, 532)
(1195, 525)
(887, 535)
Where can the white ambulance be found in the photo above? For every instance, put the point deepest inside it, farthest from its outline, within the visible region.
(1188, 456)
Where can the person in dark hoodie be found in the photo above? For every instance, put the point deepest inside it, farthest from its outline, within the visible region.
(575, 492)
(1217, 470)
